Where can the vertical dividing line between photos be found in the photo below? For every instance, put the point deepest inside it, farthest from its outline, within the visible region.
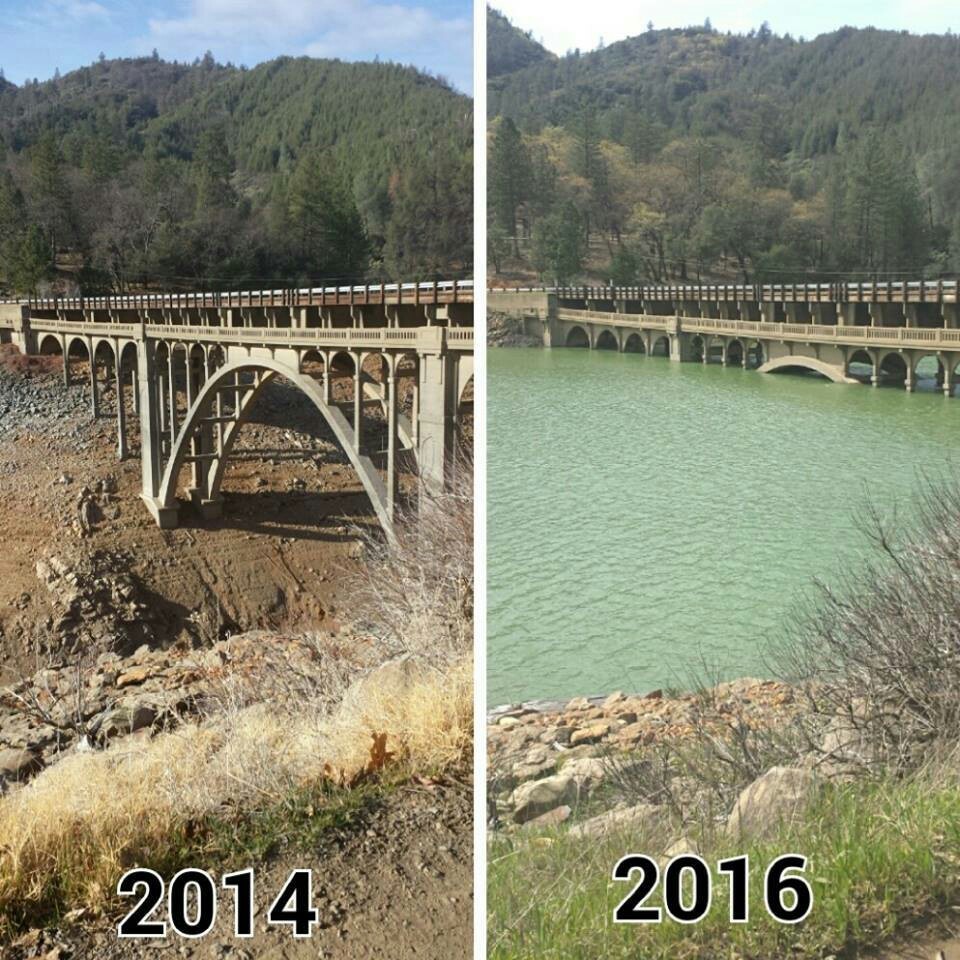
(480, 479)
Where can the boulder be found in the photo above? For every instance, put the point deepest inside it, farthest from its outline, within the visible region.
(552, 818)
(125, 718)
(679, 847)
(17, 765)
(592, 734)
(587, 772)
(392, 680)
(775, 797)
(645, 818)
(532, 799)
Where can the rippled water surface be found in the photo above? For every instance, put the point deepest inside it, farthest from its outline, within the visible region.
(646, 517)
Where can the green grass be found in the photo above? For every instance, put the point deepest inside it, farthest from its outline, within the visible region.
(881, 859)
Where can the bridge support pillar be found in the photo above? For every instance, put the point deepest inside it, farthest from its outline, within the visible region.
(121, 412)
(437, 402)
(94, 386)
(948, 377)
(358, 402)
(391, 385)
(150, 435)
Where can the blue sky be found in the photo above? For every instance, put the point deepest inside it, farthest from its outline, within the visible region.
(563, 26)
(40, 36)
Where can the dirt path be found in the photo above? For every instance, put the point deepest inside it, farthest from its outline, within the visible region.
(399, 885)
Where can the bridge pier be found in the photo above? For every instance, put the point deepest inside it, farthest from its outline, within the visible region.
(94, 385)
(121, 412)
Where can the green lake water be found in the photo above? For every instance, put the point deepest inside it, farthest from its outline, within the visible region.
(646, 518)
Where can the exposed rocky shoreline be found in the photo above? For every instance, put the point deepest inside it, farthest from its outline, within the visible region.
(547, 759)
(506, 331)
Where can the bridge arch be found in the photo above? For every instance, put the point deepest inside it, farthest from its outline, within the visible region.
(864, 357)
(736, 351)
(267, 369)
(577, 337)
(797, 362)
(50, 345)
(661, 346)
(634, 344)
(607, 340)
(894, 366)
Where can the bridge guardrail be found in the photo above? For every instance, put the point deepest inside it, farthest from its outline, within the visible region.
(425, 337)
(901, 291)
(885, 336)
(440, 292)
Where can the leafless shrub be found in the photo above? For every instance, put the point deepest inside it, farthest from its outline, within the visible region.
(878, 654)
(62, 707)
(416, 593)
(699, 776)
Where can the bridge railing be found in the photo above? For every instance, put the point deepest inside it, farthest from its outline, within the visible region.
(428, 338)
(887, 336)
(434, 292)
(901, 291)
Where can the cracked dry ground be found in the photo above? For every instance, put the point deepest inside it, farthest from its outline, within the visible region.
(276, 561)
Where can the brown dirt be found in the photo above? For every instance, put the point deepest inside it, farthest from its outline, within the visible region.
(399, 887)
(277, 558)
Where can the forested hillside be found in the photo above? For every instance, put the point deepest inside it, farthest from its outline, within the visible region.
(685, 154)
(508, 49)
(141, 173)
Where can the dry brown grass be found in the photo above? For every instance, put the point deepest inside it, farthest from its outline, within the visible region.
(311, 716)
(69, 835)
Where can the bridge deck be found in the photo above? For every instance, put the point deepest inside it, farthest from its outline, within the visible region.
(439, 292)
(421, 338)
(918, 337)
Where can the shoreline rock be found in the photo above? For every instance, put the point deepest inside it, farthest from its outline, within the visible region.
(540, 745)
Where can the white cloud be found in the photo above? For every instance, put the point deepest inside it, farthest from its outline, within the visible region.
(247, 30)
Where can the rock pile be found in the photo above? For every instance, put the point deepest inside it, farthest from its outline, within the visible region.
(506, 331)
(71, 707)
(40, 404)
(544, 761)
(100, 606)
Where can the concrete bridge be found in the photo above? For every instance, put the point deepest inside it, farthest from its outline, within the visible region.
(195, 364)
(845, 332)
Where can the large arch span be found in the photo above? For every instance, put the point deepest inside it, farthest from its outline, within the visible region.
(266, 369)
(806, 363)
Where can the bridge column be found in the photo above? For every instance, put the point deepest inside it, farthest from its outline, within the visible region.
(172, 389)
(94, 385)
(951, 315)
(948, 375)
(150, 433)
(391, 386)
(436, 402)
(358, 400)
(121, 412)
